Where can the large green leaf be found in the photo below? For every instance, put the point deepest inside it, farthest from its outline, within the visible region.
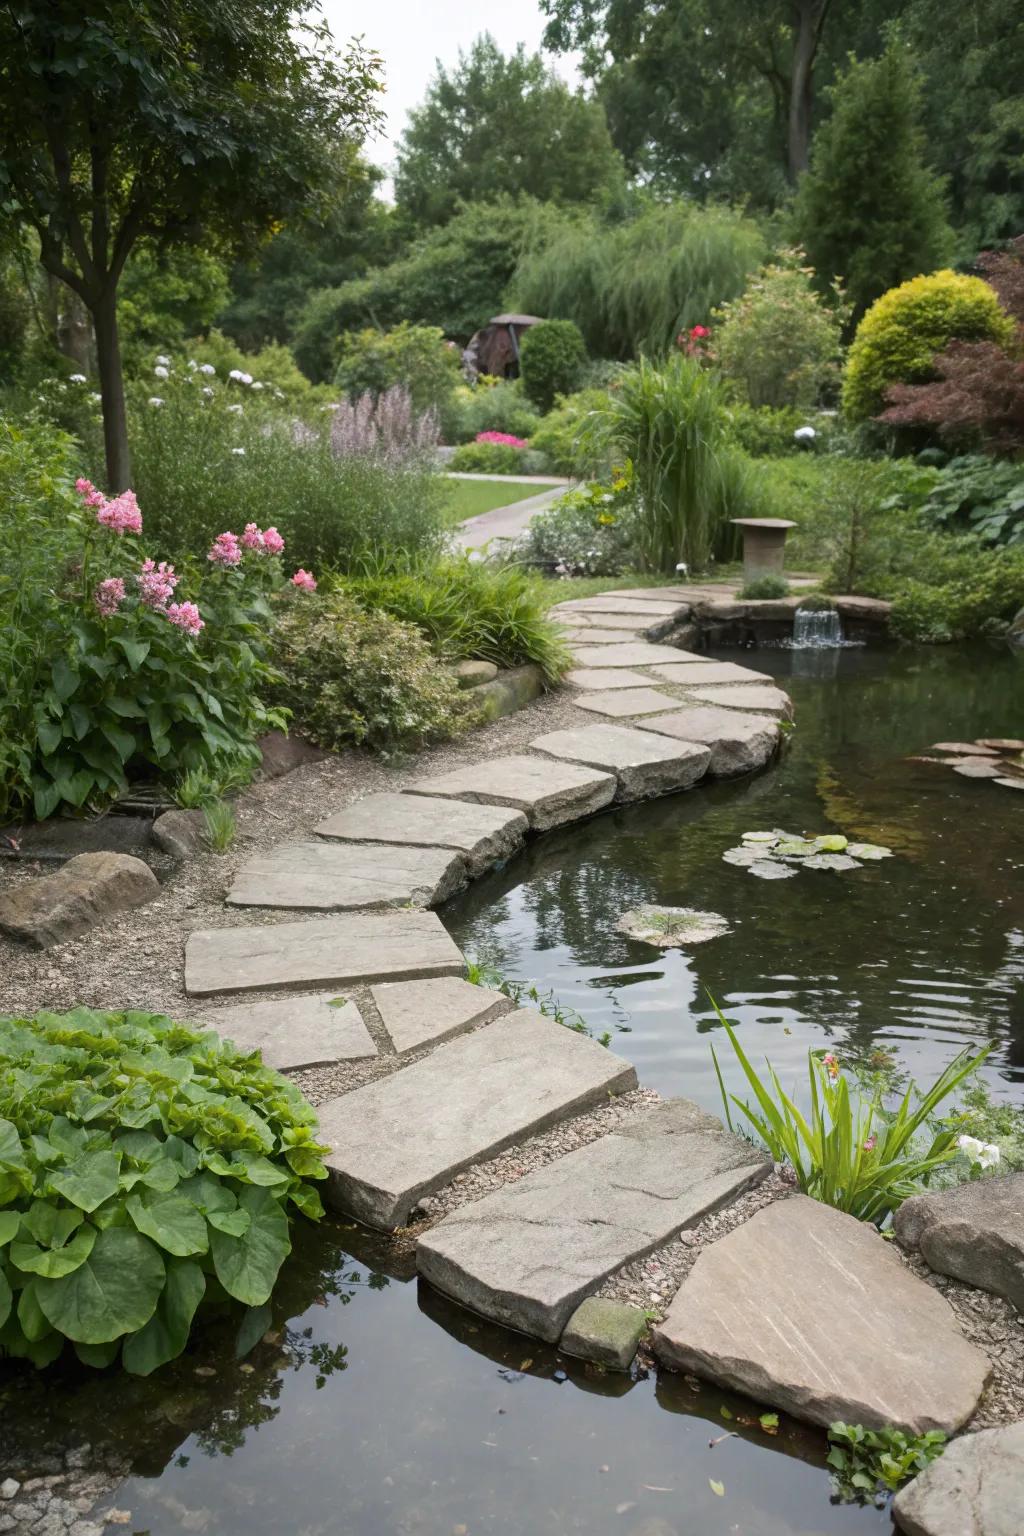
(54, 1262)
(10, 1221)
(247, 1266)
(166, 1333)
(170, 1220)
(12, 1154)
(114, 1292)
(89, 1180)
(6, 1299)
(35, 1325)
(50, 1225)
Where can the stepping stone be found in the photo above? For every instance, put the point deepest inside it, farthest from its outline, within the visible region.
(974, 1232)
(548, 795)
(709, 672)
(604, 1330)
(333, 877)
(781, 1309)
(1010, 783)
(327, 952)
(630, 701)
(597, 636)
(312, 1030)
(999, 744)
(976, 767)
(972, 1489)
(416, 1013)
(739, 743)
(624, 623)
(526, 1255)
(611, 602)
(756, 697)
(963, 749)
(632, 653)
(404, 1136)
(483, 834)
(641, 763)
(679, 594)
(606, 677)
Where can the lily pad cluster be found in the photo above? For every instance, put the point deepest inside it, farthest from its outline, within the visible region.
(997, 758)
(672, 927)
(779, 855)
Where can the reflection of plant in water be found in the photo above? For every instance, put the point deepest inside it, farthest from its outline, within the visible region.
(482, 974)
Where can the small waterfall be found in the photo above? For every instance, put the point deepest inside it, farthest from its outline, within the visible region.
(817, 629)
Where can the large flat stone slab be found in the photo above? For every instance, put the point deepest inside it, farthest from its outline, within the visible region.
(974, 1232)
(336, 877)
(642, 763)
(708, 673)
(975, 1488)
(607, 678)
(631, 653)
(810, 1310)
(612, 602)
(400, 1138)
(577, 636)
(758, 698)
(627, 623)
(739, 742)
(546, 794)
(416, 1013)
(328, 951)
(483, 834)
(526, 1255)
(311, 1030)
(621, 705)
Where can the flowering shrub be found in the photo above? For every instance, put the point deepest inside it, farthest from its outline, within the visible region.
(492, 405)
(508, 439)
(491, 454)
(142, 1163)
(590, 531)
(385, 429)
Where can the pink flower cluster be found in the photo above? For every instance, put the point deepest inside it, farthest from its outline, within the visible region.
(505, 439)
(304, 581)
(186, 617)
(109, 596)
(121, 515)
(91, 497)
(227, 548)
(156, 583)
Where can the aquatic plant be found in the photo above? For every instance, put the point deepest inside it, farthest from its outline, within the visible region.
(868, 1463)
(778, 855)
(144, 1165)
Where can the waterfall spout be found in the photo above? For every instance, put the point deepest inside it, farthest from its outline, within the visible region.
(817, 629)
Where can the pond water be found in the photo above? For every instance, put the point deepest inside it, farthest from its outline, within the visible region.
(374, 1408)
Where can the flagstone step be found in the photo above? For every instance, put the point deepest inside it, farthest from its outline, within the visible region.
(761, 700)
(402, 1137)
(606, 678)
(708, 672)
(332, 877)
(547, 794)
(320, 952)
(631, 653)
(312, 1030)
(739, 742)
(625, 623)
(611, 602)
(416, 1013)
(526, 1255)
(643, 763)
(483, 834)
(626, 702)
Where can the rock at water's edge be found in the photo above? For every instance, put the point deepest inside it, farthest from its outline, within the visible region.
(974, 1232)
(975, 1488)
(605, 1331)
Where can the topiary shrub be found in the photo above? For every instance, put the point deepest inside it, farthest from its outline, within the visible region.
(898, 338)
(144, 1166)
(358, 678)
(553, 356)
(778, 341)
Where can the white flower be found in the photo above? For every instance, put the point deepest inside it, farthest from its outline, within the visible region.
(162, 373)
(971, 1145)
(246, 378)
(238, 450)
(988, 1157)
(207, 391)
(683, 568)
(155, 400)
(76, 378)
(192, 365)
(256, 384)
(163, 362)
(805, 434)
(278, 394)
(96, 399)
(208, 369)
(237, 409)
(237, 375)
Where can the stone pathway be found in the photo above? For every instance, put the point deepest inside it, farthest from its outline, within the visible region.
(510, 521)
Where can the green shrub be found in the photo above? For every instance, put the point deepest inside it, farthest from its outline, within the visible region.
(273, 366)
(590, 531)
(870, 1463)
(492, 405)
(767, 433)
(976, 494)
(552, 358)
(415, 356)
(970, 592)
(765, 587)
(901, 333)
(469, 610)
(487, 459)
(778, 342)
(362, 679)
(568, 439)
(144, 1166)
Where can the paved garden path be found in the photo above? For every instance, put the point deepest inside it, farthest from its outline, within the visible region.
(506, 522)
(371, 969)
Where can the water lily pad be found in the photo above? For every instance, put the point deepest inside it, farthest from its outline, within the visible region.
(760, 837)
(744, 856)
(830, 843)
(766, 869)
(795, 848)
(831, 861)
(671, 927)
(870, 851)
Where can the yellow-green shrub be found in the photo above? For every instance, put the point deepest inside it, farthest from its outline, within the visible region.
(903, 330)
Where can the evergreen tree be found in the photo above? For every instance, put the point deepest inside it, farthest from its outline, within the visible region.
(870, 210)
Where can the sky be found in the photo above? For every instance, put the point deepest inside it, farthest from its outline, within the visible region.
(412, 34)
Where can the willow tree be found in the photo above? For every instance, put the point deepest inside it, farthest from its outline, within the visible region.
(169, 121)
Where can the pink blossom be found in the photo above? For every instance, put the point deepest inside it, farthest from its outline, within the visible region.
(869, 1145)
(186, 617)
(109, 596)
(156, 583)
(91, 497)
(272, 541)
(121, 515)
(252, 538)
(304, 581)
(225, 550)
(831, 1065)
(504, 438)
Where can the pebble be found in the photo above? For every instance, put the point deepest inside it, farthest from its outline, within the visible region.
(8, 1488)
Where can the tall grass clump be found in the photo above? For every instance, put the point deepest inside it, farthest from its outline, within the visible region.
(634, 287)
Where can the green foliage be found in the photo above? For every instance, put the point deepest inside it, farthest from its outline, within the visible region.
(569, 438)
(763, 587)
(353, 678)
(202, 787)
(590, 531)
(273, 366)
(868, 512)
(492, 405)
(778, 342)
(470, 610)
(220, 824)
(870, 210)
(991, 1121)
(552, 359)
(766, 433)
(979, 495)
(869, 1463)
(968, 592)
(166, 297)
(633, 287)
(144, 1165)
(499, 125)
(847, 1153)
(487, 459)
(903, 330)
(414, 356)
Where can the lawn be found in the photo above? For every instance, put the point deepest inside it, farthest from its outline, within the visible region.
(471, 497)
(564, 589)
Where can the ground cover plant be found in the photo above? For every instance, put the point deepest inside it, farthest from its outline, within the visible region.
(868, 1464)
(590, 531)
(146, 1167)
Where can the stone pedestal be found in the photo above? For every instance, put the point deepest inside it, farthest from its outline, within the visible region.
(764, 540)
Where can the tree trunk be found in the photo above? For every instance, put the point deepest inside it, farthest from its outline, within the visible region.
(115, 419)
(801, 91)
(74, 330)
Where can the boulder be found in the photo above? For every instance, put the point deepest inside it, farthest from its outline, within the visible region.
(975, 1488)
(180, 833)
(509, 691)
(605, 1331)
(85, 891)
(281, 753)
(470, 674)
(974, 1232)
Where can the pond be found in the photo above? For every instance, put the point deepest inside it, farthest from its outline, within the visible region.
(373, 1408)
